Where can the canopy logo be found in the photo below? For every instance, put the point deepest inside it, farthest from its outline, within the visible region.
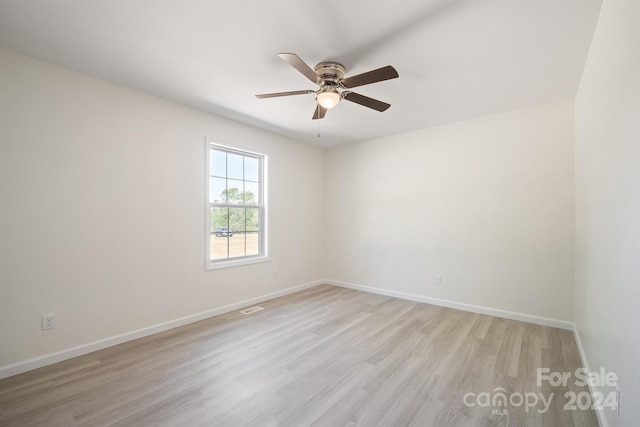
(498, 401)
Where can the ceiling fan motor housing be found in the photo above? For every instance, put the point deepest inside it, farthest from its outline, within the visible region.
(331, 73)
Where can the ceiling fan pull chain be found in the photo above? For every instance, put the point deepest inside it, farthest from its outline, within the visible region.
(338, 125)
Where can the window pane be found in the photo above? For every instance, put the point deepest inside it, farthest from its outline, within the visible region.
(234, 192)
(218, 163)
(252, 246)
(219, 219)
(217, 187)
(252, 219)
(251, 169)
(251, 193)
(219, 237)
(237, 245)
(235, 166)
(237, 220)
(219, 247)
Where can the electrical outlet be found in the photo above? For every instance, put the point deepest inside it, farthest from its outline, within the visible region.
(437, 280)
(275, 273)
(48, 321)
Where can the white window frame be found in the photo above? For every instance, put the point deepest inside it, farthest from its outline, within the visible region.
(262, 208)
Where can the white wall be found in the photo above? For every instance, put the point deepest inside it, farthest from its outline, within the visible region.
(102, 203)
(607, 258)
(486, 203)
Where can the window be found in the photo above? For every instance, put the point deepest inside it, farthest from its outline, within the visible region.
(235, 208)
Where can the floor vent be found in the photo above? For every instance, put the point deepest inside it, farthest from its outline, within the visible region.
(251, 309)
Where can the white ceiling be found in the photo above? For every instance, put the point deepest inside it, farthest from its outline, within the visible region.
(457, 59)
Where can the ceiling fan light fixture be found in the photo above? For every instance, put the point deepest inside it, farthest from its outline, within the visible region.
(328, 97)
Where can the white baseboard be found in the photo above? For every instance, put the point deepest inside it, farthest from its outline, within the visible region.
(48, 359)
(458, 305)
(585, 364)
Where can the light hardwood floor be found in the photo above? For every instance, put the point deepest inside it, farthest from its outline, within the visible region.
(326, 356)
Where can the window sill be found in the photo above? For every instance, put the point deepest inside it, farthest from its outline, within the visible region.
(236, 263)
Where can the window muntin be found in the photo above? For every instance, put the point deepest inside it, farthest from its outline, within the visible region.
(235, 211)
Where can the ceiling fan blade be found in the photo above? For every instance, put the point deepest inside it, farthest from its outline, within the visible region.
(276, 94)
(365, 100)
(373, 76)
(297, 63)
(319, 113)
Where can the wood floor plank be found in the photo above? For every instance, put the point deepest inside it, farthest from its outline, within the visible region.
(325, 356)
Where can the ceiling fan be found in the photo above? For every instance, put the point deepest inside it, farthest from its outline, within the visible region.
(334, 86)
